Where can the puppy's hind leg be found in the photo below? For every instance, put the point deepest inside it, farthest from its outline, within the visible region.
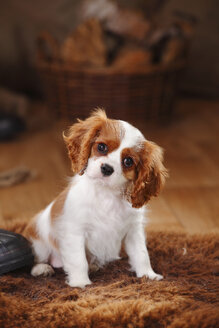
(41, 252)
(42, 269)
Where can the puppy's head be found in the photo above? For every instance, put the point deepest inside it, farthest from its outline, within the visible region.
(116, 155)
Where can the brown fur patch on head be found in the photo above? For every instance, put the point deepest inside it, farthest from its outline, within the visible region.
(81, 137)
(83, 134)
(58, 204)
(130, 172)
(150, 174)
(111, 135)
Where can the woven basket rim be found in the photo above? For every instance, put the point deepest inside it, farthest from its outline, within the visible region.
(108, 71)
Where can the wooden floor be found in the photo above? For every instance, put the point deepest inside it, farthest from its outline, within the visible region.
(190, 200)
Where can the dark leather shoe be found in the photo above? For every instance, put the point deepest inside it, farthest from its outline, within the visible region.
(15, 251)
(10, 126)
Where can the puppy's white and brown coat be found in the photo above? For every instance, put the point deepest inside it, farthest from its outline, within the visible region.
(116, 172)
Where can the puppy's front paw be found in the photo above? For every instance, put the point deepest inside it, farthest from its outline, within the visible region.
(151, 275)
(154, 276)
(78, 283)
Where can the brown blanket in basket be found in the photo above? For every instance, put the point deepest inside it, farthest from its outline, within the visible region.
(187, 297)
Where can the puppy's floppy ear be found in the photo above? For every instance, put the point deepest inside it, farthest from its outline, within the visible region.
(80, 138)
(151, 174)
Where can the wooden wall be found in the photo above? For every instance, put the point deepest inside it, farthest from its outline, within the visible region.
(22, 20)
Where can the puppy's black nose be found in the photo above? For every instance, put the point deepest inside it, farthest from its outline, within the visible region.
(106, 169)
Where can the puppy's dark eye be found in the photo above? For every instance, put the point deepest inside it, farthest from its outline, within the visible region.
(102, 148)
(128, 162)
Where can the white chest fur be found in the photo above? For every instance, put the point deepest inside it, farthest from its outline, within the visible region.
(109, 223)
(101, 215)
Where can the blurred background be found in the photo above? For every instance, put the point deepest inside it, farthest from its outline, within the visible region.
(153, 63)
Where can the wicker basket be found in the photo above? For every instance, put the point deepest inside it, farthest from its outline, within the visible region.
(72, 92)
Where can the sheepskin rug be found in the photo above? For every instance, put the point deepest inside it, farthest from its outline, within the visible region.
(187, 297)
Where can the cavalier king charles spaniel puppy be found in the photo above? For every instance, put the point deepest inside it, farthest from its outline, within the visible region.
(116, 172)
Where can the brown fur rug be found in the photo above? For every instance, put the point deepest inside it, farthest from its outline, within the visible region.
(187, 297)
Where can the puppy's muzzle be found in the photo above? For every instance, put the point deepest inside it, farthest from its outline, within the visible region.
(107, 170)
